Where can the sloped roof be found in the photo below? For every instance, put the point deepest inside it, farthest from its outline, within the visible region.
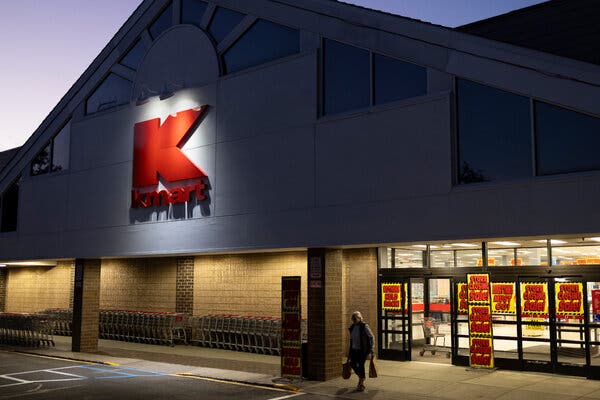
(6, 155)
(567, 28)
(314, 16)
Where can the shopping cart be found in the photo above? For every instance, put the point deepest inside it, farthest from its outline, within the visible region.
(432, 334)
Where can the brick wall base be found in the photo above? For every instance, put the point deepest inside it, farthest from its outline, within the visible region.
(324, 358)
(359, 289)
(34, 289)
(245, 284)
(3, 279)
(184, 296)
(86, 304)
(140, 284)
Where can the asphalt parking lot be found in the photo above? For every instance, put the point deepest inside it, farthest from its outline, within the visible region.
(35, 377)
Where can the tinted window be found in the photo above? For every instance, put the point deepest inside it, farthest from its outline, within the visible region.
(162, 23)
(60, 149)
(192, 11)
(567, 141)
(134, 57)
(494, 140)
(112, 92)
(41, 163)
(347, 82)
(10, 205)
(223, 22)
(397, 80)
(263, 42)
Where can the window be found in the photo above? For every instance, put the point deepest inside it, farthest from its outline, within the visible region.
(192, 11)
(223, 22)
(346, 75)
(396, 80)
(162, 23)
(60, 149)
(41, 163)
(55, 156)
(263, 42)
(113, 91)
(134, 57)
(10, 205)
(442, 259)
(494, 137)
(566, 141)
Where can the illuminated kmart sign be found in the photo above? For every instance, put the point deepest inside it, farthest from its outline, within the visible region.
(157, 151)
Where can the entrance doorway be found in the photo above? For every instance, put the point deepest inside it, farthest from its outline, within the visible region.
(420, 328)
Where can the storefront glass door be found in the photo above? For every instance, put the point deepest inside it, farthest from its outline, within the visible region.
(553, 325)
(432, 333)
(395, 313)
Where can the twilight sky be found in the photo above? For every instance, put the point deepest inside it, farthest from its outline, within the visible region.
(47, 45)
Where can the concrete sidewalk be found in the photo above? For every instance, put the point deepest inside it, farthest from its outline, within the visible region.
(405, 380)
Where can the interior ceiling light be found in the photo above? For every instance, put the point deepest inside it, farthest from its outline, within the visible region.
(503, 243)
(464, 245)
(420, 246)
(552, 241)
(595, 239)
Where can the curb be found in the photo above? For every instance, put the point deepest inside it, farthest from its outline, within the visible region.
(278, 386)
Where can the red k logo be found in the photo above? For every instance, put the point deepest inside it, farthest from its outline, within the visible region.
(157, 149)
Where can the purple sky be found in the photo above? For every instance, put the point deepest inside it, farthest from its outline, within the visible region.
(47, 45)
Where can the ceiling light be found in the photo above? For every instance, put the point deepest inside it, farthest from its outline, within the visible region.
(2, 265)
(595, 239)
(552, 241)
(464, 245)
(502, 243)
(420, 246)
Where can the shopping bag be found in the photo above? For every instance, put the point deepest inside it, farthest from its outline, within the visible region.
(346, 370)
(372, 368)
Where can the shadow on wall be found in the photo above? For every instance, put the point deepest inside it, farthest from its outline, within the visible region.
(191, 209)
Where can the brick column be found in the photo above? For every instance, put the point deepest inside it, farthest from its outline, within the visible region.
(184, 291)
(3, 279)
(86, 302)
(325, 347)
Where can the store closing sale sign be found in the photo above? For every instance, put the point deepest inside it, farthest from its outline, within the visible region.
(393, 297)
(569, 300)
(480, 321)
(503, 298)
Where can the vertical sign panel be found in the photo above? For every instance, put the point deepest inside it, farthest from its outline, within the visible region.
(462, 306)
(569, 300)
(291, 327)
(391, 296)
(596, 304)
(503, 298)
(480, 321)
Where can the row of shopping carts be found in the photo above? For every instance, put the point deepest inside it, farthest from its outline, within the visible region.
(30, 330)
(129, 326)
(143, 327)
(241, 333)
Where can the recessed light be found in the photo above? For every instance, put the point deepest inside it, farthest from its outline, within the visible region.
(502, 243)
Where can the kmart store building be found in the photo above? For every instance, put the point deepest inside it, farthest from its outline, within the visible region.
(214, 147)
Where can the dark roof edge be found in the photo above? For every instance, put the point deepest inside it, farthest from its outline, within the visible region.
(77, 86)
(466, 27)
